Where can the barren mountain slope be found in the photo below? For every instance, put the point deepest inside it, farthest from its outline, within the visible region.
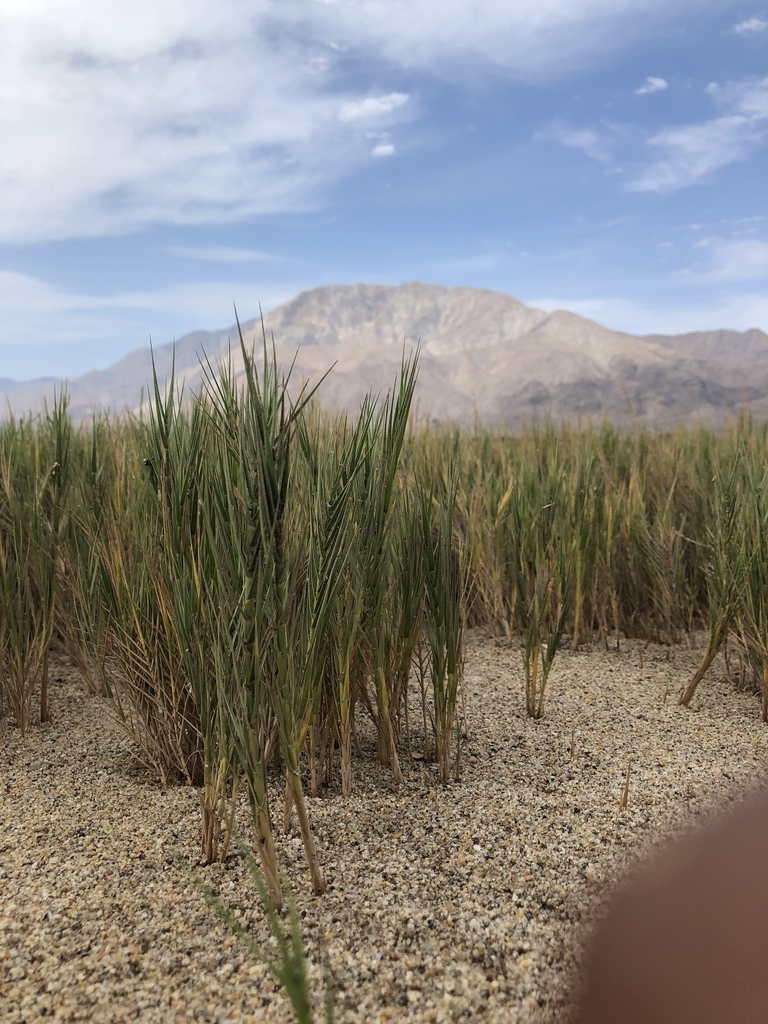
(482, 353)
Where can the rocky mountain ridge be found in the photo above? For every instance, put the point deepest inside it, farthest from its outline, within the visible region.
(482, 353)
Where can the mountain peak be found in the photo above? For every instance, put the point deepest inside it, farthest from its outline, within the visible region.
(442, 319)
(483, 352)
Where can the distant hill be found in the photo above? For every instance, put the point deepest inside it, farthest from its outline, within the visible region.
(9, 387)
(482, 353)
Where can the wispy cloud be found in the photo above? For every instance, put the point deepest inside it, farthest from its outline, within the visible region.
(373, 107)
(223, 254)
(28, 306)
(732, 260)
(24, 293)
(589, 140)
(383, 149)
(652, 85)
(491, 257)
(194, 112)
(737, 311)
(690, 153)
(533, 39)
(751, 26)
(694, 151)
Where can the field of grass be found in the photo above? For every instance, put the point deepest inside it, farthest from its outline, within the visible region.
(246, 579)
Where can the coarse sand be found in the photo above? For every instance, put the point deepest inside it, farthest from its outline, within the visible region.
(466, 901)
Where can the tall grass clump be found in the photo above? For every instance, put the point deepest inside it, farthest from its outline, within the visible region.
(289, 577)
(333, 470)
(34, 473)
(542, 575)
(753, 610)
(140, 588)
(444, 576)
(380, 477)
(239, 569)
(729, 557)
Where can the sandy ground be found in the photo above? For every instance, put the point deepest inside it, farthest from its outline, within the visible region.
(445, 903)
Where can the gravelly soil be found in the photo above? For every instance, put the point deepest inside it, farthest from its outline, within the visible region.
(444, 903)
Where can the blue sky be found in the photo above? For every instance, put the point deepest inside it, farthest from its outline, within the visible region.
(162, 160)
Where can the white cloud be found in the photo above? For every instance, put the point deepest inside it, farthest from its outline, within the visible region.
(495, 257)
(383, 149)
(739, 259)
(194, 111)
(617, 313)
(737, 311)
(530, 38)
(751, 25)
(652, 85)
(588, 140)
(179, 113)
(223, 254)
(691, 153)
(748, 97)
(23, 293)
(373, 107)
(95, 330)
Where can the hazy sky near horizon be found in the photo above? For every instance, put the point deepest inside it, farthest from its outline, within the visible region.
(160, 161)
